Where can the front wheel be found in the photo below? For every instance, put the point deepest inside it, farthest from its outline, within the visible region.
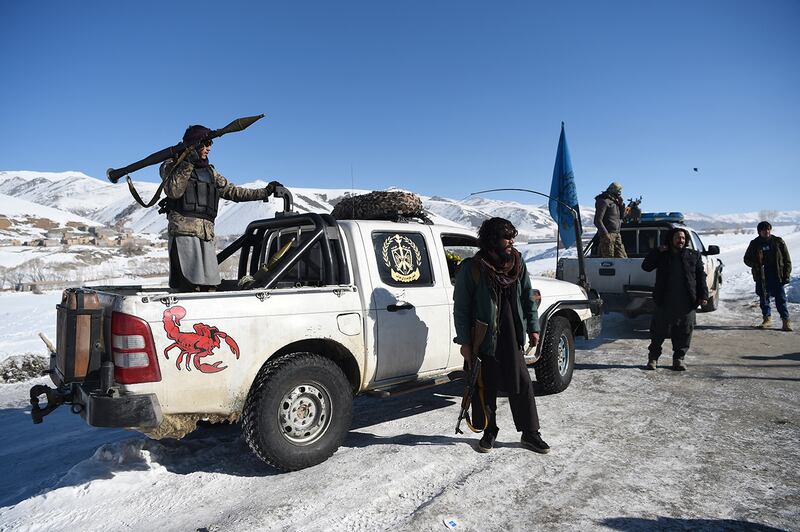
(298, 411)
(554, 369)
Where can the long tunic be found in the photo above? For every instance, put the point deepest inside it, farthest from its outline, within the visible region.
(507, 371)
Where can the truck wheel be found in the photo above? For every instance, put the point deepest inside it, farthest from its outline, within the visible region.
(298, 411)
(554, 369)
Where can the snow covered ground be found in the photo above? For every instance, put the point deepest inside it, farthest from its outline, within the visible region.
(715, 448)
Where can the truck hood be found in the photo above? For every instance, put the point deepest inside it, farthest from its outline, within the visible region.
(553, 289)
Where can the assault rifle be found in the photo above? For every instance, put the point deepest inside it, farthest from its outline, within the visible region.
(474, 366)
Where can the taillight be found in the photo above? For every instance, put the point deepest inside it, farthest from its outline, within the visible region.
(133, 350)
(537, 297)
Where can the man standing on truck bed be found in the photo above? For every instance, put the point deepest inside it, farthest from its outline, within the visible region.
(609, 208)
(193, 189)
(769, 260)
(493, 287)
(680, 288)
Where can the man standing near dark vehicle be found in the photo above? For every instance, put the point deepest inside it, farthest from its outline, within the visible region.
(680, 288)
(193, 188)
(493, 289)
(771, 265)
(609, 209)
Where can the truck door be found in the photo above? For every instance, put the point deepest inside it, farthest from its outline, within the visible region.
(455, 248)
(708, 261)
(410, 304)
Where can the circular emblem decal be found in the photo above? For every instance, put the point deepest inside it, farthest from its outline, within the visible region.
(401, 255)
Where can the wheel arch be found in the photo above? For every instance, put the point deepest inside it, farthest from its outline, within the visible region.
(329, 349)
(568, 312)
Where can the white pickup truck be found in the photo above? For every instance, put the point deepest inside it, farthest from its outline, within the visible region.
(348, 307)
(622, 283)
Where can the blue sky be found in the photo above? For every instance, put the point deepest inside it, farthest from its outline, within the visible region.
(439, 97)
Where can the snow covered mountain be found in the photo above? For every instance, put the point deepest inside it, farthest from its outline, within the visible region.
(75, 193)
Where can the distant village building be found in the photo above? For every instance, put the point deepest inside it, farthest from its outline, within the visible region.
(103, 232)
(43, 223)
(104, 241)
(57, 234)
(77, 240)
(79, 226)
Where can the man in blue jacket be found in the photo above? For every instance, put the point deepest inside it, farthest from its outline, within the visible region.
(680, 288)
(493, 287)
(767, 255)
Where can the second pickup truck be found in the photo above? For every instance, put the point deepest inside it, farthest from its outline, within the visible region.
(622, 283)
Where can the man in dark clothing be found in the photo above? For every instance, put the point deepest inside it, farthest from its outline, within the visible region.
(493, 287)
(193, 188)
(680, 288)
(608, 210)
(767, 255)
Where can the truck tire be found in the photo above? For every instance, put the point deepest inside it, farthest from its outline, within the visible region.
(298, 411)
(554, 369)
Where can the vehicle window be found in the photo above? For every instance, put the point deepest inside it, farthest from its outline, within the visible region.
(629, 241)
(456, 249)
(648, 240)
(698, 244)
(402, 259)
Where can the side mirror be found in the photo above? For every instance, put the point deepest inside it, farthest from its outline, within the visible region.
(712, 250)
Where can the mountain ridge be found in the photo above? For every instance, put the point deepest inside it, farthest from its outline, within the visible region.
(109, 204)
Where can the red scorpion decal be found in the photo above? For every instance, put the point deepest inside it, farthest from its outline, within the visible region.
(201, 343)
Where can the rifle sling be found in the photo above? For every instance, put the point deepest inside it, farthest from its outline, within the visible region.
(157, 195)
(138, 198)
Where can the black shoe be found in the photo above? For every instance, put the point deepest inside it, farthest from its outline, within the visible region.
(678, 364)
(534, 442)
(486, 442)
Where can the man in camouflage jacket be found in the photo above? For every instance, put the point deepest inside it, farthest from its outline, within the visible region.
(609, 209)
(194, 188)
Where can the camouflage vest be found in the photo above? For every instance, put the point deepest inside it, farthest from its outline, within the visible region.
(201, 199)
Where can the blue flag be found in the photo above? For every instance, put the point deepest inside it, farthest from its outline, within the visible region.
(563, 190)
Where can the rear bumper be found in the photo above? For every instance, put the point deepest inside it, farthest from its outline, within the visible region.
(631, 303)
(118, 411)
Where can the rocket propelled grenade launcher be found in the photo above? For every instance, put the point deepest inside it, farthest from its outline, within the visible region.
(173, 152)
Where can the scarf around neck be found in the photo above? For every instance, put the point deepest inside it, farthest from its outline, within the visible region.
(501, 274)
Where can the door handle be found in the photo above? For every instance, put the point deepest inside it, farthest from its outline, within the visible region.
(399, 306)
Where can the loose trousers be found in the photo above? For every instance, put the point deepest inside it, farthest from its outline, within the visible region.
(523, 409)
(612, 247)
(679, 330)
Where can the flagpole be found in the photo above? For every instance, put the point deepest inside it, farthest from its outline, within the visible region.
(558, 237)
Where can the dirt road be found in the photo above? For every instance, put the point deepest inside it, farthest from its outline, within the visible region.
(713, 448)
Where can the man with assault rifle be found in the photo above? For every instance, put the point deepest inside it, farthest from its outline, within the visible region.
(494, 315)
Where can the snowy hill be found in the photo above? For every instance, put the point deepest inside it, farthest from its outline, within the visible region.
(106, 203)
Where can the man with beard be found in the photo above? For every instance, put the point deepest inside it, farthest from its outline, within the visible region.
(609, 208)
(767, 254)
(493, 287)
(680, 288)
(194, 188)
